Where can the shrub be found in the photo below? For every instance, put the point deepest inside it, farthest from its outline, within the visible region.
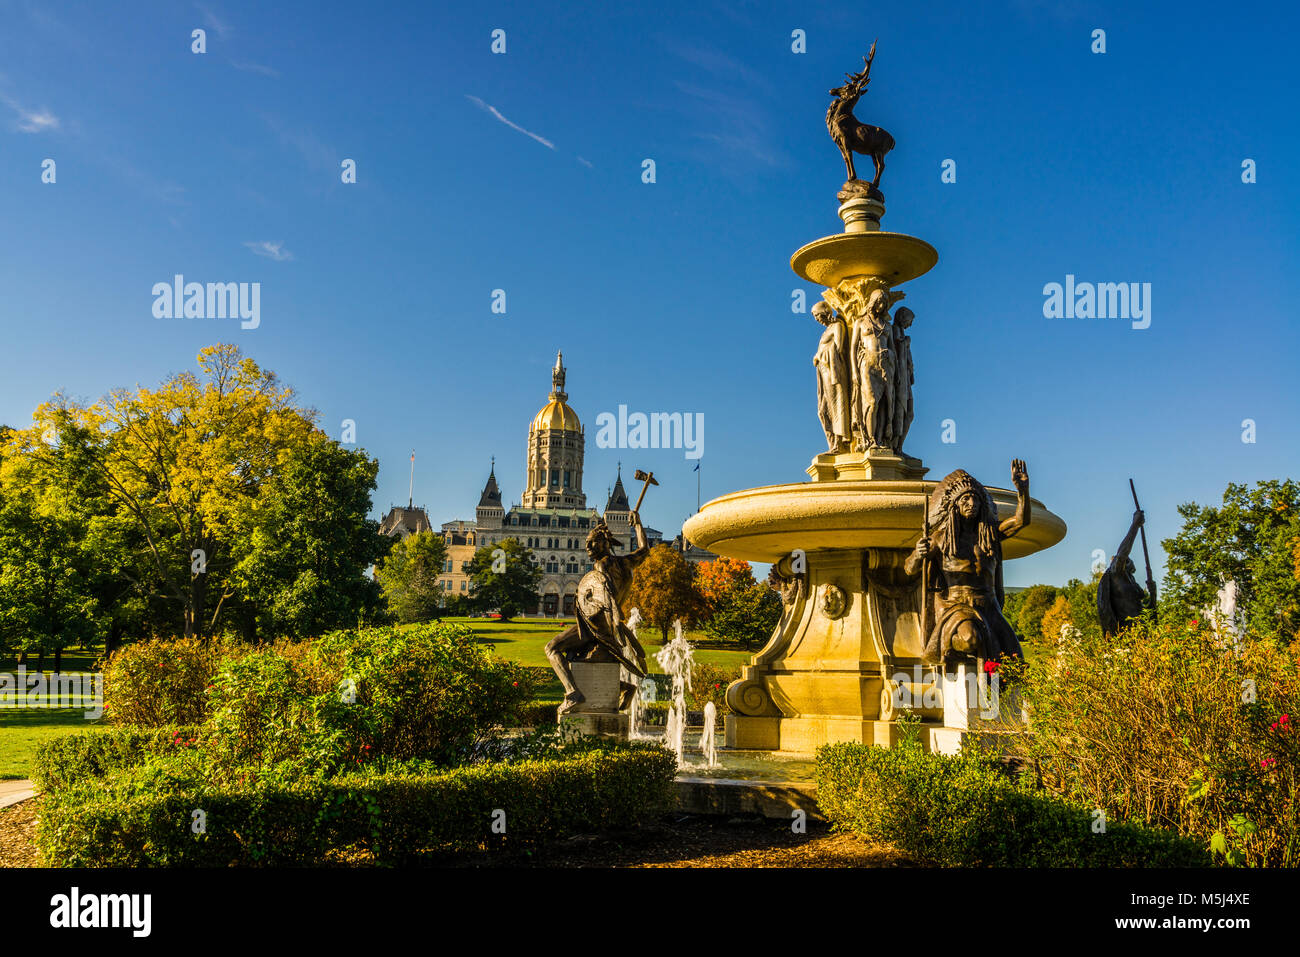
(152, 684)
(70, 759)
(263, 712)
(967, 811)
(430, 691)
(709, 683)
(538, 713)
(1171, 726)
(395, 817)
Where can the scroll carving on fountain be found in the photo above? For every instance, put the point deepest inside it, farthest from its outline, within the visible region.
(861, 609)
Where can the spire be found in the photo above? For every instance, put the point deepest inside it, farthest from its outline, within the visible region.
(618, 498)
(410, 494)
(557, 377)
(491, 496)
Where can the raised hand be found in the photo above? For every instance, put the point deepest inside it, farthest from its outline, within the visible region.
(1019, 474)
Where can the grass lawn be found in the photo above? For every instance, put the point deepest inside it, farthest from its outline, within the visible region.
(22, 732)
(74, 659)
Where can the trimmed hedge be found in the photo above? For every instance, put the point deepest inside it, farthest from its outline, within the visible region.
(71, 759)
(397, 818)
(967, 811)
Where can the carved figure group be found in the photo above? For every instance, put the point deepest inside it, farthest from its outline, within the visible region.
(864, 372)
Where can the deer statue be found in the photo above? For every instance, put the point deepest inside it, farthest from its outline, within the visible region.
(850, 135)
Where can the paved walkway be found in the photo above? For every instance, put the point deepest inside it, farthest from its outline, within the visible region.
(11, 792)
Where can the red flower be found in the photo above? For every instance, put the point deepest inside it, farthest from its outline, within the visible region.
(514, 684)
(1267, 763)
(1195, 622)
(990, 667)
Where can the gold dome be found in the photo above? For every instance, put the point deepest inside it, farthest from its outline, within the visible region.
(556, 414)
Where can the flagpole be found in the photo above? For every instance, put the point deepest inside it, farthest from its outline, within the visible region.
(410, 492)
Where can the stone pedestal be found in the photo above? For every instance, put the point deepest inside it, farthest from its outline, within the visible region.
(863, 466)
(599, 681)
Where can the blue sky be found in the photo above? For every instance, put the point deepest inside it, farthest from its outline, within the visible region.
(672, 296)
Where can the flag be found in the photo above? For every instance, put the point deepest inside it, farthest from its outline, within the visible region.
(697, 467)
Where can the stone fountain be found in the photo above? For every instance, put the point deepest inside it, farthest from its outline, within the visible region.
(873, 621)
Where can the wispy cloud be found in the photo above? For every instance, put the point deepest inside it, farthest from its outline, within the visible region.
(489, 108)
(318, 155)
(212, 21)
(585, 162)
(249, 67)
(270, 250)
(738, 125)
(31, 121)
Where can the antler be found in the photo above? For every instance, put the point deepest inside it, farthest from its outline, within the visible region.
(859, 81)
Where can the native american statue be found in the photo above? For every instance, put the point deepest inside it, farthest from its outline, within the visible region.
(1120, 598)
(601, 634)
(854, 137)
(959, 560)
(834, 383)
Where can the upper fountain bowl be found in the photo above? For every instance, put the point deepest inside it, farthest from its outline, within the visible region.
(894, 257)
(766, 524)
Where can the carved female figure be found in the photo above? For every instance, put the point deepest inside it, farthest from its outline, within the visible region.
(873, 357)
(833, 380)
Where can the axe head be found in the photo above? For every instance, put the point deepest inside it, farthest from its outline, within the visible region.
(639, 476)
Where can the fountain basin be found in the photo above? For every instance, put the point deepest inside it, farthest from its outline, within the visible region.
(765, 524)
(894, 257)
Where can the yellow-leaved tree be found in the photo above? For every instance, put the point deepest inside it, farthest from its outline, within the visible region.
(184, 464)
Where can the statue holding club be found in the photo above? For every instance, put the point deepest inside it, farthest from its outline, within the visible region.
(600, 633)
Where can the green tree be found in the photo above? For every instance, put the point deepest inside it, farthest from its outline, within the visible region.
(1251, 540)
(745, 612)
(48, 566)
(1025, 610)
(1082, 599)
(300, 557)
(504, 577)
(409, 577)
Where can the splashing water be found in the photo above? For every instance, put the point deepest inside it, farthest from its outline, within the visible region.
(645, 690)
(677, 658)
(707, 744)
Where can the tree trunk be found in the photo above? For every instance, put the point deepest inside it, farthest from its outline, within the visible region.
(58, 659)
(194, 627)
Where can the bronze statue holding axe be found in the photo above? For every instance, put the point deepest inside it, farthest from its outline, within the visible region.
(600, 633)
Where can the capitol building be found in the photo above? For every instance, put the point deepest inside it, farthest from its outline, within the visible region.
(552, 517)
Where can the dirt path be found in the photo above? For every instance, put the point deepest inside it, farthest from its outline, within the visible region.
(18, 835)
